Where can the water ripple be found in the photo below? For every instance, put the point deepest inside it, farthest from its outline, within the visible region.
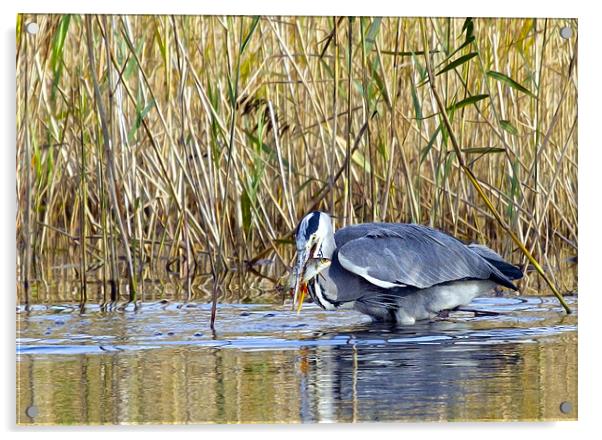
(63, 330)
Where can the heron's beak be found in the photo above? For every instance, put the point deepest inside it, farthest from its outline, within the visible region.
(300, 286)
(307, 268)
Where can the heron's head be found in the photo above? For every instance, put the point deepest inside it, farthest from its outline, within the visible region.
(315, 242)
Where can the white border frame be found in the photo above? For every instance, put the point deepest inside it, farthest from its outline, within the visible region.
(590, 160)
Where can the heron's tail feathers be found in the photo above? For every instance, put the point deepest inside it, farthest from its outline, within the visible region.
(509, 270)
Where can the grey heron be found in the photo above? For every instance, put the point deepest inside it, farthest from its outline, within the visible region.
(392, 271)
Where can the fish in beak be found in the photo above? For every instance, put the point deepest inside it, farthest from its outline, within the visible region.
(305, 271)
(300, 285)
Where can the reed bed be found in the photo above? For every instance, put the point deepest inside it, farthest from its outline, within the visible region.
(172, 156)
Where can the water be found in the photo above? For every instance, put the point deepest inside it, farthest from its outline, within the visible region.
(265, 364)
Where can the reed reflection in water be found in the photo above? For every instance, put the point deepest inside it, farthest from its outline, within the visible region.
(526, 379)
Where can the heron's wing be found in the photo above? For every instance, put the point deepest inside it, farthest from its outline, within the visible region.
(390, 255)
(509, 270)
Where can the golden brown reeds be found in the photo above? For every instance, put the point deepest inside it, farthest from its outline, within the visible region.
(168, 151)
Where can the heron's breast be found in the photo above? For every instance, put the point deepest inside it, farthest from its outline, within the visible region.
(323, 294)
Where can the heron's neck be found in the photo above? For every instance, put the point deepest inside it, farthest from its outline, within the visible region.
(328, 246)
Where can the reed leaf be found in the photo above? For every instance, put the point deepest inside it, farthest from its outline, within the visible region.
(465, 102)
(507, 125)
(457, 62)
(510, 82)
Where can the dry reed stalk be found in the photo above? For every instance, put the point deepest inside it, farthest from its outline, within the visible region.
(27, 227)
(83, 195)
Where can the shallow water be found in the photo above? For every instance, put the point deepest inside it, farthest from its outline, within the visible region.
(160, 364)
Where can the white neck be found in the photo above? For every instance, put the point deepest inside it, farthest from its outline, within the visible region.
(328, 245)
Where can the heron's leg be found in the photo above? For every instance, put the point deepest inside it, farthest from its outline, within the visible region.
(477, 312)
(443, 314)
(403, 318)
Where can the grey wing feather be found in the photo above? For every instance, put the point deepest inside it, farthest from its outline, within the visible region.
(390, 255)
(509, 270)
